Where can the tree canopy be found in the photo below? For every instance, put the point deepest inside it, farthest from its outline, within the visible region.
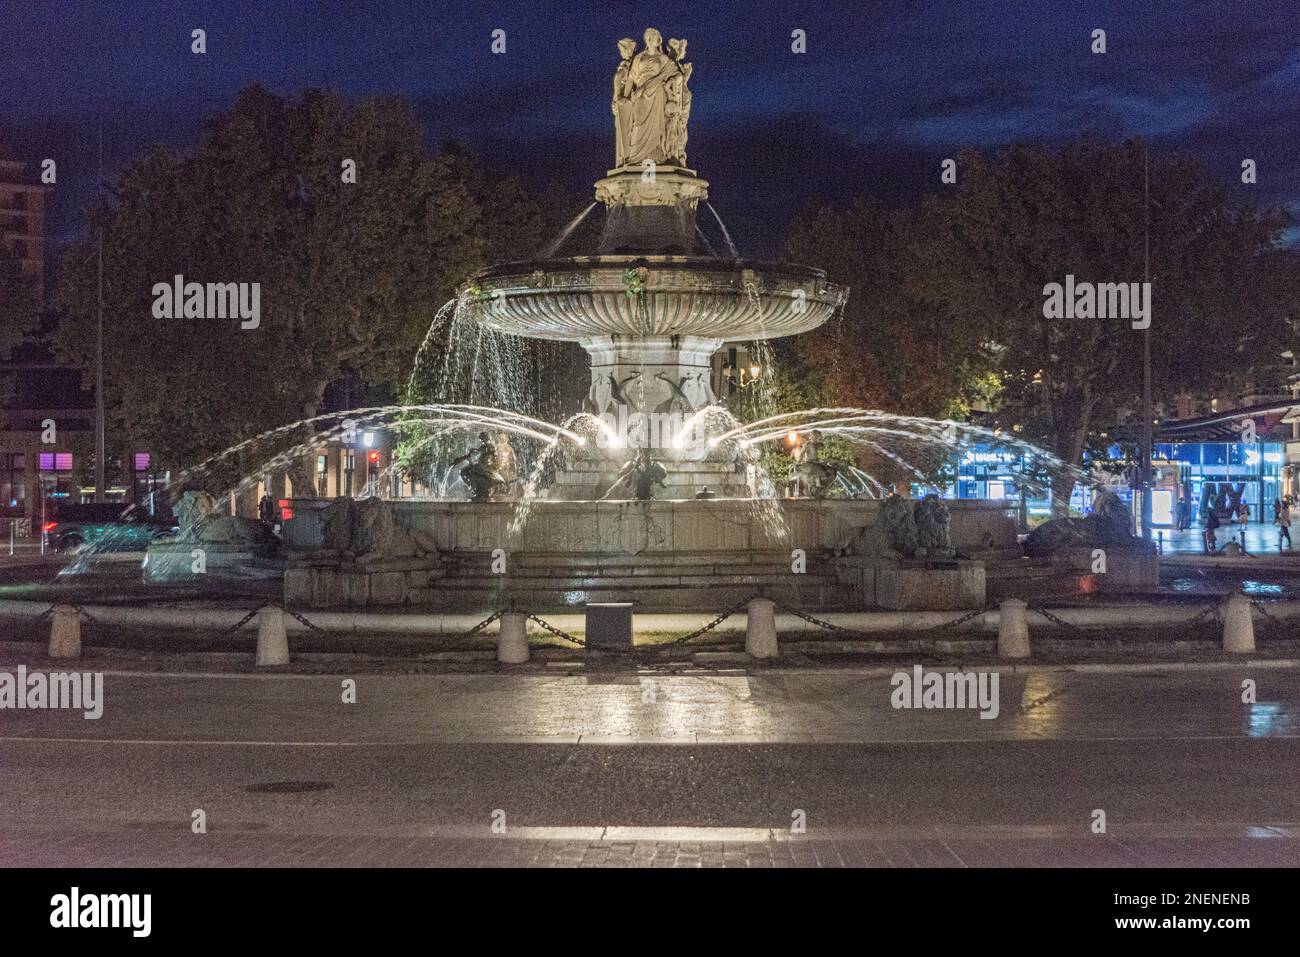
(947, 301)
(1029, 216)
(350, 273)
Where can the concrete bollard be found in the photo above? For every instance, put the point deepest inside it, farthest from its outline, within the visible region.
(1238, 626)
(65, 632)
(512, 645)
(1013, 630)
(760, 629)
(272, 641)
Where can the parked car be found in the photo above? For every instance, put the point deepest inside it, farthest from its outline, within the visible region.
(108, 527)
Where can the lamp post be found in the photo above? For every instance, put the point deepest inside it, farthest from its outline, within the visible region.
(754, 370)
(1144, 481)
(100, 485)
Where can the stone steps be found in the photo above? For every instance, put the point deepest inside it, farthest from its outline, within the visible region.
(708, 563)
(817, 596)
(708, 580)
(695, 572)
(452, 583)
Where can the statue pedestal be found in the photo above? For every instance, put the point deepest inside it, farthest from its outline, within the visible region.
(644, 388)
(1128, 568)
(941, 585)
(176, 560)
(589, 480)
(650, 212)
(329, 582)
(637, 186)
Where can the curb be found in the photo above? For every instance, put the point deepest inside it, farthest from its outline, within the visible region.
(733, 665)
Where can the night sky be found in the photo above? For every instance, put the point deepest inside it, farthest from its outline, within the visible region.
(885, 91)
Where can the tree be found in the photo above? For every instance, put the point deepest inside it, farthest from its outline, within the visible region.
(464, 363)
(350, 273)
(896, 346)
(1031, 215)
(892, 348)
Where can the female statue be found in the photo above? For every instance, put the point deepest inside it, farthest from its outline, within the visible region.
(646, 86)
(621, 105)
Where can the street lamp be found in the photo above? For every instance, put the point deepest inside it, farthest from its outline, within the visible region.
(1147, 451)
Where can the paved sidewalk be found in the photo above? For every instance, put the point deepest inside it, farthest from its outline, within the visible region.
(1261, 537)
(276, 850)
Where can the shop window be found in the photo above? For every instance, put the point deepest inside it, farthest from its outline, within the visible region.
(13, 482)
(1214, 453)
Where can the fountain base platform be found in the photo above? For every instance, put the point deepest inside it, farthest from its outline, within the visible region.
(662, 555)
(588, 480)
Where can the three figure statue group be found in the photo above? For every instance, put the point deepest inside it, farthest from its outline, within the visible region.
(651, 102)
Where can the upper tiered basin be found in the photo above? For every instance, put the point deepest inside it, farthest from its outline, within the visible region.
(584, 297)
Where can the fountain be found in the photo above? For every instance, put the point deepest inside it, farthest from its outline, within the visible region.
(653, 491)
(648, 307)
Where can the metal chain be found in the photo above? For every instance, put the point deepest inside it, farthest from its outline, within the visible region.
(241, 623)
(1284, 625)
(969, 616)
(299, 618)
(556, 631)
(840, 629)
(706, 628)
(822, 623)
(1054, 619)
(482, 624)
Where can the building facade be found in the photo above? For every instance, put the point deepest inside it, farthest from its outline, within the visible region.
(22, 219)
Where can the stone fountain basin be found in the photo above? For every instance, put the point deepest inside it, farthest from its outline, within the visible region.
(661, 555)
(586, 297)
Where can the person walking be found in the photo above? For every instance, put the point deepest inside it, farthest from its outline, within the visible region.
(1211, 523)
(1284, 526)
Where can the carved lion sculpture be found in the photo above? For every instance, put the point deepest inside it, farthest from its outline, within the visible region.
(1109, 524)
(933, 526)
(193, 509)
(367, 531)
(336, 526)
(898, 525)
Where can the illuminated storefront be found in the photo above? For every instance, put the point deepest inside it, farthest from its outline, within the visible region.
(1207, 474)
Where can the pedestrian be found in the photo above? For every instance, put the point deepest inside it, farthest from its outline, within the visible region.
(1182, 514)
(1211, 523)
(1277, 509)
(1284, 526)
(266, 510)
(1243, 513)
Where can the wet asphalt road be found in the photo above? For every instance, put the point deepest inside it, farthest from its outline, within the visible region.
(580, 769)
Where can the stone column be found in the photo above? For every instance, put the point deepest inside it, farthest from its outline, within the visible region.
(760, 629)
(1013, 630)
